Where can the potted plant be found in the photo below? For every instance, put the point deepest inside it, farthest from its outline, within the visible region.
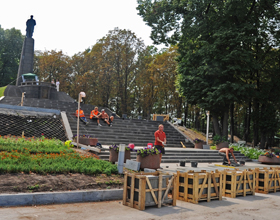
(269, 158)
(220, 141)
(148, 158)
(86, 140)
(114, 153)
(198, 143)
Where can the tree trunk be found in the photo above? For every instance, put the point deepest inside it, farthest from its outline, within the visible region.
(263, 140)
(256, 122)
(225, 124)
(231, 123)
(216, 125)
(186, 114)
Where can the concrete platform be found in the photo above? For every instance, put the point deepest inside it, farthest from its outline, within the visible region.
(174, 167)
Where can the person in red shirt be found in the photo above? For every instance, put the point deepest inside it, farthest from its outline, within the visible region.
(82, 116)
(95, 115)
(160, 140)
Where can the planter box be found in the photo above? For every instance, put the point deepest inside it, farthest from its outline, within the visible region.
(114, 156)
(149, 189)
(150, 161)
(199, 145)
(198, 186)
(267, 180)
(87, 141)
(239, 183)
(221, 145)
(268, 160)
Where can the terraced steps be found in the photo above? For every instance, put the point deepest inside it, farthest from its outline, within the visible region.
(174, 156)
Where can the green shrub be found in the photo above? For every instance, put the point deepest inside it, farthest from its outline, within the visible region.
(249, 152)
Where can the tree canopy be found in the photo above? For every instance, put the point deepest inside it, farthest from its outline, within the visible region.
(11, 41)
(228, 52)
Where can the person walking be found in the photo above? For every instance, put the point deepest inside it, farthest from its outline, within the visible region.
(160, 140)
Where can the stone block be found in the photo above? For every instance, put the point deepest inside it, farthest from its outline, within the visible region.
(132, 165)
(147, 170)
(206, 146)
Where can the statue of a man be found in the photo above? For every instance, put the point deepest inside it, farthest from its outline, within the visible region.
(30, 27)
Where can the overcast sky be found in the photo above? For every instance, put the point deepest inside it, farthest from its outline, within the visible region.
(73, 25)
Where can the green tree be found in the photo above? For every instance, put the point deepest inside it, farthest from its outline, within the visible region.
(11, 41)
(222, 47)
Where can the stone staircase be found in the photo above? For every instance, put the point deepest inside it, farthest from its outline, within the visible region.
(139, 132)
(174, 155)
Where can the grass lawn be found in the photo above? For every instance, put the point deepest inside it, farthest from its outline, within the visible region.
(2, 89)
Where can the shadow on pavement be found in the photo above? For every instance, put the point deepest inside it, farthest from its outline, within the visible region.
(251, 198)
(166, 210)
(217, 203)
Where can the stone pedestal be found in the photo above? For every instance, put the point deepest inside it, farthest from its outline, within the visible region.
(26, 59)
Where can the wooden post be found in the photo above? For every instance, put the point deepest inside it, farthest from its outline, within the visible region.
(221, 186)
(142, 193)
(125, 189)
(244, 183)
(132, 190)
(174, 191)
(160, 190)
(233, 188)
(195, 187)
(186, 186)
(209, 187)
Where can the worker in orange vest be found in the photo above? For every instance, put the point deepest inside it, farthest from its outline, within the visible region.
(82, 116)
(95, 115)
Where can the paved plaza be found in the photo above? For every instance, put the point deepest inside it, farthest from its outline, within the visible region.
(260, 206)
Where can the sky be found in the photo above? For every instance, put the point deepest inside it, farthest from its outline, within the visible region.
(73, 25)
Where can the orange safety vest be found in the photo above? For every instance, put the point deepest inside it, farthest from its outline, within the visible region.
(92, 113)
(81, 113)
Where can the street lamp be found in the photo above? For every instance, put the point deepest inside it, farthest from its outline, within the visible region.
(81, 95)
(207, 129)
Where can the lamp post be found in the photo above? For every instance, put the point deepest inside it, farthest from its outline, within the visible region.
(207, 128)
(81, 95)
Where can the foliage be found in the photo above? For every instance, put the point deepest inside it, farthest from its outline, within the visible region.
(219, 139)
(50, 65)
(42, 156)
(197, 140)
(116, 148)
(228, 53)
(32, 145)
(68, 144)
(213, 147)
(249, 152)
(11, 41)
(148, 151)
(2, 90)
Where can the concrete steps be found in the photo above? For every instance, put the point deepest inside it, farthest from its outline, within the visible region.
(174, 156)
(139, 132)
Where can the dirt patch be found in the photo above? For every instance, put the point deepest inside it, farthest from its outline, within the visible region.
(194, 134)
(16, 183)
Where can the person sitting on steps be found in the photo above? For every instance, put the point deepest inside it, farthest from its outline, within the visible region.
(105, 117)
(95, 115)
(225, 152)
(82, 116)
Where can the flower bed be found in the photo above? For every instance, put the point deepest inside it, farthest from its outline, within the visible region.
(43, 158)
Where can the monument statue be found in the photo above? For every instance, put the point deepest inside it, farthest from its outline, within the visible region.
(30, 23)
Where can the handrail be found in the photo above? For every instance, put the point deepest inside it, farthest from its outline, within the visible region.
(35, 83)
